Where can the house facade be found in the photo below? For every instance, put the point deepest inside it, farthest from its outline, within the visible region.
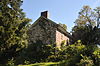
(47, 31)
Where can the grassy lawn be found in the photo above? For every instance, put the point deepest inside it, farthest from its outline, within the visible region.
(42, 64)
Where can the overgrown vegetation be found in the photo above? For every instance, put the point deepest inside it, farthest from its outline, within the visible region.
(72, 55)
(13, 30)
(15, 50)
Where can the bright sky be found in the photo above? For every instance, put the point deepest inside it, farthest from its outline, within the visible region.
(61, 11)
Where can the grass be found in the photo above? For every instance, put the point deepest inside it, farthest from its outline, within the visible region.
(43, 64)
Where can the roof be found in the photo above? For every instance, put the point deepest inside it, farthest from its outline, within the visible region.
(60, 28)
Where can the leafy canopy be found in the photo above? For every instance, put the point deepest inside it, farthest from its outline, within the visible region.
(13, 28)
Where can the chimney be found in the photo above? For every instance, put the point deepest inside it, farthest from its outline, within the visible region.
(45, 14)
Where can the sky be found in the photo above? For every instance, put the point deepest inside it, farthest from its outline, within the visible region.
(60, 11)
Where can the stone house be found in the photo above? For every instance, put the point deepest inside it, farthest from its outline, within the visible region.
(48, 31)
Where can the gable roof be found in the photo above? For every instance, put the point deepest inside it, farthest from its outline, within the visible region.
(42, 18)
(59, 28)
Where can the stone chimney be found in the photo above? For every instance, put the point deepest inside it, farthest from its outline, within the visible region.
(45, 14)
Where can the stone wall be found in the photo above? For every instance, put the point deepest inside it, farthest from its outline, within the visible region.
(44, 31)
(60, 37)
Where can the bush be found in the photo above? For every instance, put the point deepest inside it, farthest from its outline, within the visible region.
(81, 55)
(36, 52)
(71, 55)
(86, 61)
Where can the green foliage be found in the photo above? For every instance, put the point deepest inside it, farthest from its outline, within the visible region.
(97, 53)
(10, 62)
(71, 55)
(86, 17)
(96, 56)
(13, 29)
(36, 52)
(81, 55)
(88, 32)
(85, 28)
(86, 61)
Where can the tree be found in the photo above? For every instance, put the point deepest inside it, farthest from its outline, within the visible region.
(85, 28)
(86, 17)
(13, 29)
(97, 11)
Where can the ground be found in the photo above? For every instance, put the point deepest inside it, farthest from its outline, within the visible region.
(42, 64)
